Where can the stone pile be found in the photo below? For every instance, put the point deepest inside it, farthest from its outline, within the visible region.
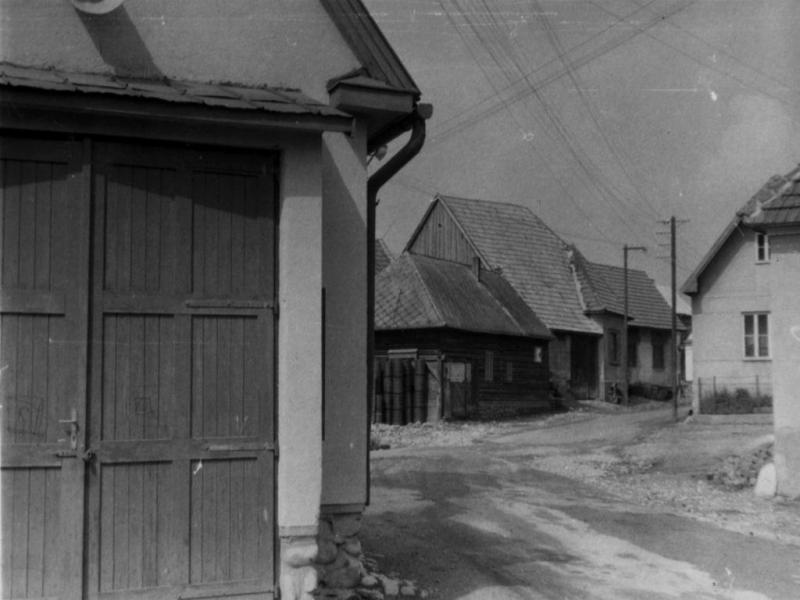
(345, 573)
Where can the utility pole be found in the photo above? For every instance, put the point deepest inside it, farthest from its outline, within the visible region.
(625, 249)
(673, 261)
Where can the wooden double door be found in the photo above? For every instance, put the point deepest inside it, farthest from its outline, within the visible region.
(136, 375)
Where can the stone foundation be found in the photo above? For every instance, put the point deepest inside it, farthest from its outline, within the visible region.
(340, 559)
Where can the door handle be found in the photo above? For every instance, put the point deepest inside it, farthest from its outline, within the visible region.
(73, 428)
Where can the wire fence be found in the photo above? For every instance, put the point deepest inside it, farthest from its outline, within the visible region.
(733, 395)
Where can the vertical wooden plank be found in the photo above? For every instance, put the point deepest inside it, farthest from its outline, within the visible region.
(152, 210)
(27, 222)
(11, 223)
(106, 531)
(36, 537)
(222, 392)
(108, 407)
(138, 207)
(250, 504)
(236, 203)
(121, 187)
(253, 241)
(151, 488)
(242, 419)
(211, 234)
(25, 376)
(19, 533)
(40, 394)
(198, 383)
(211, 409)
(122, 369)
(107, 234)
(199, 212)
(197, 531)
(8, 382)
(222, 552)
(237, 529)
(135, 501)
(151, 350)
(41, 268)
(209, 549)
(121, 524)
(224, 239)
(3, 224)
(6, 489)
(51, 572)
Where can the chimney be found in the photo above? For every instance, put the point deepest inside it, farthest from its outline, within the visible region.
(476, 267)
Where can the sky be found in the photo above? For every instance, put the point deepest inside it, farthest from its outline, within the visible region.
(604, 117)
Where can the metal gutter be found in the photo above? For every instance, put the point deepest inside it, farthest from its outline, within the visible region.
(416, 123)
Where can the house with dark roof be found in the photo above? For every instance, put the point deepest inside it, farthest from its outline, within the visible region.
(175, 176)
(580, 302)
(746, 314)
(485, 349)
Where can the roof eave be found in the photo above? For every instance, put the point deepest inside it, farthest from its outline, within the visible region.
(30, 106)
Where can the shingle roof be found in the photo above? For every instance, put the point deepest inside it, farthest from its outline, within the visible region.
(776, 203)
(532, 257)
(369, 44)
(419, 292)
(646, 305)
(383, 256)
(272, 100)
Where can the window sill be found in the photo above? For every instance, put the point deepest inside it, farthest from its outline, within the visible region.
(757, 358)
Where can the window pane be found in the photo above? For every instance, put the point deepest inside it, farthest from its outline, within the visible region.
(762, 325)
(749, 346)
(763, 345)
(748, 324)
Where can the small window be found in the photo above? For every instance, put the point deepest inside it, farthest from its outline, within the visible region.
(613, 347)
(538, 354)
(488, 366)
(762, 247)
(509, 371)
(659, 341)
(756, 335)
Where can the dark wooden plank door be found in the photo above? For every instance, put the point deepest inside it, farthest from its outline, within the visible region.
(181, 420)
(43, 333)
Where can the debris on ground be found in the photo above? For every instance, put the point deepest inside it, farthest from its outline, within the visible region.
(737, 472)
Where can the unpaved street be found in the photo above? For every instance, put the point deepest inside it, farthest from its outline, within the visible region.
(599, 506)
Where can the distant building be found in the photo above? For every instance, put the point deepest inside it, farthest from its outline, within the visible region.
(485, 348)
(579, 301)
(746, 314)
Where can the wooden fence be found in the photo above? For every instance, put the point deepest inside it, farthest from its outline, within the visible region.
(402, 391)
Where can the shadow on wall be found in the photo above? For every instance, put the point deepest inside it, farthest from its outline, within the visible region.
(115, 36)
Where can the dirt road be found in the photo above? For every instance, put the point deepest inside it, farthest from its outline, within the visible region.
(531, 512)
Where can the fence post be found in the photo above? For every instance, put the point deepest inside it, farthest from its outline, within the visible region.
(699, 395)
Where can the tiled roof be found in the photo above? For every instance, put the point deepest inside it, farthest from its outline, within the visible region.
(369, 44)
(684, 305)
(419, 292)
(271, 100)
(383, 256)
(776, 203)
(646, 305)
(531, 256)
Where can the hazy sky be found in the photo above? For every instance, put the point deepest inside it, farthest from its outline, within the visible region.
(602, 116)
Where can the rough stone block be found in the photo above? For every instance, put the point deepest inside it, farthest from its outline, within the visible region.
(352, 546)
(346, 526)
(767, 482)
(327, 553)
(299, 554)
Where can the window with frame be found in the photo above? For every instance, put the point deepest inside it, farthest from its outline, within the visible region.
(762, 247)
(538, 354)
(756, 335)
(659, 341)
(488, 366)
(613, 346)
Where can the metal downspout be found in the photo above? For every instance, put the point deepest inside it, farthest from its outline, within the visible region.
(374, 184)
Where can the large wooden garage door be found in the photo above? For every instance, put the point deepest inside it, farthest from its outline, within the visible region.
(43, 333)
(178, 484)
